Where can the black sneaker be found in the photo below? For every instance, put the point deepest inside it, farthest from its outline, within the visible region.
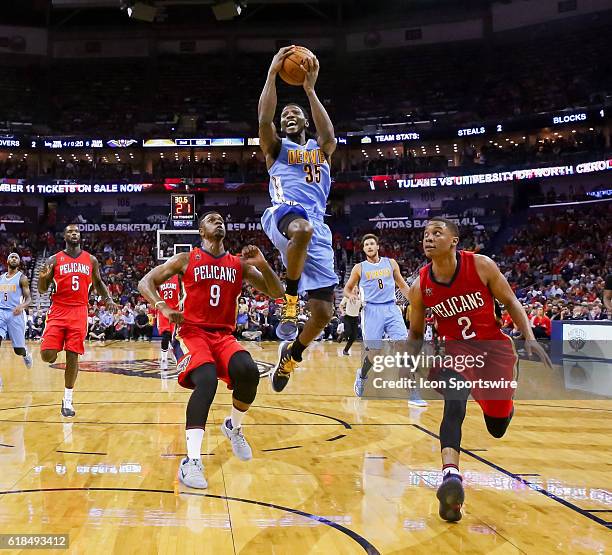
(282, 372)
(451, 496)
(67, 410)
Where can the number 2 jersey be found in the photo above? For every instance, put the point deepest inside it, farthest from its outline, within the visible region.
(72, 279)
(300, 174)
(463, 308)
(212, 286)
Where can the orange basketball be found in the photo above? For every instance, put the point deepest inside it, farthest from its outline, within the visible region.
(291, 72)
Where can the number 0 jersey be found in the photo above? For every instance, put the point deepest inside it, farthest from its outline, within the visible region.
(463, 308)
(212, 286)
(300, 174)
(72, 278)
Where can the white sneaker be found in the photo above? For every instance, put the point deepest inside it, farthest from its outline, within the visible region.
(191, 473)
(416, 400)
(67, 409)
(28, 360)
(240, 446)
(163, 364)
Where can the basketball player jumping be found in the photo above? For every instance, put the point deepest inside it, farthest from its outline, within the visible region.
(14, 299)
(377, 278)
(300, 181)
(212, 281)
(461, 287)
(170, 292)
(72, 272)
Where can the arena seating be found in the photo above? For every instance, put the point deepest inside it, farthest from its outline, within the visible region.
(458, 82)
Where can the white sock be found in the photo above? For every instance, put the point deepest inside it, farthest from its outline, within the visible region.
(68, 396)
(194, 438)
(164, 355)
(237, 417)
(450, 470)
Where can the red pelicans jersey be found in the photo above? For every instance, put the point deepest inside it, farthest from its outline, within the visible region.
(170, 291)
(464, 308)
(212, 287)
(72, 278)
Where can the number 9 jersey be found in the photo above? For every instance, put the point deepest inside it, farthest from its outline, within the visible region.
(212, 286)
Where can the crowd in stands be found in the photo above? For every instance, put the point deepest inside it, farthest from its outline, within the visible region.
(457, 82)
(555, 263)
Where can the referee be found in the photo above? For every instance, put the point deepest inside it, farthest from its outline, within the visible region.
(351, 308)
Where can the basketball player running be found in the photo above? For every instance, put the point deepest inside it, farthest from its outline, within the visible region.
(377, 278)
(299, 186)
(461, 288)
(14, 299)
(170, 292)
(212, 281)
(72, 271)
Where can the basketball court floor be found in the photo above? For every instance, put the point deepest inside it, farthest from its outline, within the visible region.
(331, 474)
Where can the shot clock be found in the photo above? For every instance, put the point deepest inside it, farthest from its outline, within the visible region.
(183, 212)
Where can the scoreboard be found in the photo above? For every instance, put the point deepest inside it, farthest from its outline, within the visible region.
(183, 212)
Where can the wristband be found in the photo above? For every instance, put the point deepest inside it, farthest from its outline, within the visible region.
(159, 302)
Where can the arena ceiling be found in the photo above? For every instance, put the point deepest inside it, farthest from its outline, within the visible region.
(71, 13)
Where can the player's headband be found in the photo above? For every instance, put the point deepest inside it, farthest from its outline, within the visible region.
(13, 254)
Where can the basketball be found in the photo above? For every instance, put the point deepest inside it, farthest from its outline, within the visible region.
(292, 73)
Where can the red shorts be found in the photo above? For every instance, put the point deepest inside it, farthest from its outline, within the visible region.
(65, 329)
(204, 346)
(499, 366)
(163, 324)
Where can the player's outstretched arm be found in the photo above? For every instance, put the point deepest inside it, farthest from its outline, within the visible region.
(257, 271)
(269, 141)
(500, 288)
(400, 282)
(150, 283)
(353, 280)
(100, 286)
(27, 296)
(325, 129)
(45, 277)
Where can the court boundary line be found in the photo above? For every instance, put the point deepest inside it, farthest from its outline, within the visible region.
(530, 485)
(365, 544)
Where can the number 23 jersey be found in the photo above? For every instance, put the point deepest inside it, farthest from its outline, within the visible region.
(212, 287)
(463, 308)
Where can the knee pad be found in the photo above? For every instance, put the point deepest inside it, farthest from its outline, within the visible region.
(497, 426)
(204, 376)
(244, 373)
(165, 340)
(323, 294)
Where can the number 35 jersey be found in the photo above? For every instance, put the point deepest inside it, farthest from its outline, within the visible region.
(72, 279)
(463, 308)
(300, 174)
(212, 286)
